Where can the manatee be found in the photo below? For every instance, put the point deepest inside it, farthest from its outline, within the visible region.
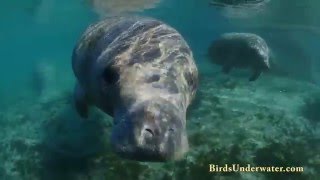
(141, 72)
(43, 79)
(236, 3)
(38, 82)
(113, 7)
(240, 8)
(241, 50)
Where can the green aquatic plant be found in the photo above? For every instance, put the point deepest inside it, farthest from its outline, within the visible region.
(278, 155)
(22, 158)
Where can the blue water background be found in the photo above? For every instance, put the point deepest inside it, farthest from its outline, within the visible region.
(28, 36)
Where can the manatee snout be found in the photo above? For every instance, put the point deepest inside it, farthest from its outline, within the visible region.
(152, 130)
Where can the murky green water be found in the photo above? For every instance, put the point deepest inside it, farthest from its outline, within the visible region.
(273, 121)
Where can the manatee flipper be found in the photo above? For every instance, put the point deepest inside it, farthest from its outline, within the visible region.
(226, 69)
(255, 75)
(80, 101)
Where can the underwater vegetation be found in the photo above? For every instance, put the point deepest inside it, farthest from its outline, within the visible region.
(50, 141)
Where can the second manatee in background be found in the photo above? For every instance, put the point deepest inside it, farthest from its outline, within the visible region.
(241, 50)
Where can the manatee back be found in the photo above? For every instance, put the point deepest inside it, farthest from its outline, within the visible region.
(239, 49)
(95, 42)
(255, 51)
(96, 38)
(120, 43)
(228, 48)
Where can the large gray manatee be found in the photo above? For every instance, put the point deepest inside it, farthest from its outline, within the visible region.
(141, 72)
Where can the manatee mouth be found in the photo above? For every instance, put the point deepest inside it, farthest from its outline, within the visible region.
(137, 139)
(141, 154)
(163, 149)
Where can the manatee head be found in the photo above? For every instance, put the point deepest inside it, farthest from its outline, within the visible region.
(151, 130)
(149, 117)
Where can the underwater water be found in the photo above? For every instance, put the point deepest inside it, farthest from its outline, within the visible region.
(273, 121)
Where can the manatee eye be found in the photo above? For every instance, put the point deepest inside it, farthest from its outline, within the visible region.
(153, 78)
(110, 76)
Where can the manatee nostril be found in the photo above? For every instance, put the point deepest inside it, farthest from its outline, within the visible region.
(149, 132)
(171, 130)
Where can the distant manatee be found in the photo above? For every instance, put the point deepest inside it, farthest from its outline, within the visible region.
(43, 79)
(141, 72)
(241, 50)
(112, 7)
(240, 8)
